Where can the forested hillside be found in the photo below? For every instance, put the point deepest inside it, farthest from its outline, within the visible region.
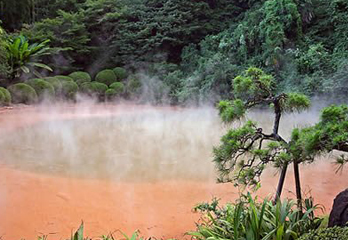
(193, 48)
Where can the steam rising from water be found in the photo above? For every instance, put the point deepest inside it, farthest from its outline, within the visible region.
(125, 144)
(146, 145)
(149, 144)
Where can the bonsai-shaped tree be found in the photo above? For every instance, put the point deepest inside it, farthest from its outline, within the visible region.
(245, 151)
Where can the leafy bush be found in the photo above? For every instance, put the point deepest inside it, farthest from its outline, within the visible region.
(4, 67)
(23, 93)
(94, 89)
(69, 90)
(116, 90)
(110, 94)
(44, 89)
(106, 76)
(2, 99)
(6, 99)
(80, 77)
(249, 219)
(21, 55)
(56, 83)
(120, 73)
(335, 233)
(118, 87)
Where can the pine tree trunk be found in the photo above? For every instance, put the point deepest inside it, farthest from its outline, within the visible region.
(298, 185)
(281, 182)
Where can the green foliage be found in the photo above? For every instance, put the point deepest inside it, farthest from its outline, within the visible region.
(106, 76)
(330, 133)
(2, 98)
(253, 84)
(78, 235)
(327, 234)
(230, 111)
(80, 77)
(110, 94)
(17, 13)
(245, 152)
(295, 102)
(210, 79)
(68, 37)
(44, 89)
(149, 26)
(21, 56)
(77, 75)
(301, 42)
(240, 159)
(69, 90)
(6, 96)
(120, 73)
(57, 85)
(133, 86)
(4, 67)
(251, 219)
(116, 90)
(23, 93)
(96, 89)
(118, 87)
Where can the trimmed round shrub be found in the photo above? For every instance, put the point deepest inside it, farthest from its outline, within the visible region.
(64, 78)
(69, 90)
(2, 99)
(56, 83)
(110, 94)
(23, 93)
(44, 89)
(94, 89)
(335, 233)
(7, 96)
(120, 73)
(118, 87)
(80, 77)
(106, 76)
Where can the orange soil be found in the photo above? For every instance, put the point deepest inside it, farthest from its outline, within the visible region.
(34, 204)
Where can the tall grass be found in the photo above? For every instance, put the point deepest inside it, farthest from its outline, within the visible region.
(252, 220)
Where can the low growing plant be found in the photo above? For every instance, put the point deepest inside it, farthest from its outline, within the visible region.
(120, 73)
(69, 90)
(23, 93)
(249, 219)
(80, 77)
(335, 233)
(44, 89)
(106, 76)
(95, 89)
(66, 78)
(6, 96)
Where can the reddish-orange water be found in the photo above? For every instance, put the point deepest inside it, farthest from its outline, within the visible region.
(34, 203)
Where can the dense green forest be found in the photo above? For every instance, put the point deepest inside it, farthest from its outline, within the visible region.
(189, 50)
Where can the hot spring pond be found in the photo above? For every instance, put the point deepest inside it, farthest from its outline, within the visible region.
(137, 146)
